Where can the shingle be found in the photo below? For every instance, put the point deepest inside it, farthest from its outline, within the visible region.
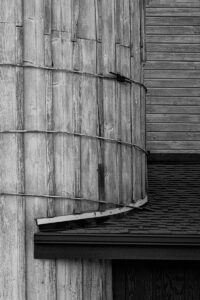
(173, 204)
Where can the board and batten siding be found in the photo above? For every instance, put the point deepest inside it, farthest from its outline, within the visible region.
(172, 75)
(92, 36)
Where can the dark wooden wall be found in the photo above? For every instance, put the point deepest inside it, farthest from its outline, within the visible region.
(172, 75)
(156, 281)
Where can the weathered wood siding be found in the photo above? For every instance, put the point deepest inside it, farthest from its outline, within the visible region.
(95, 36)
(172, 75)
(156, 280)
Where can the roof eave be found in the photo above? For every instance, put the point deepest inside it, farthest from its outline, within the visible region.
(108, 246)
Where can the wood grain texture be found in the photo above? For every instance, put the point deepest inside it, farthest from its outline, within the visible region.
(182, 101)
(182, 39)
(143, 96)
(76, 159)
(172, 30)
(122, 21)
(172, 47)
(173, 118)
(12, 225)
(173, 145)
(172, 11)
(62, 16)
(172, 83)
(173, 109)
(171, 72)
(173, 21)
(173, 136)
(86, 27)
(172, 65)
(97, 278)
(89, 147)
(42, 273)
(176, 74)
(172, 3)
(124, 104)
(66, 148)
(173, 127)
(136, 96)
(110, 104)
(173, 56)
(178, 92)
(96, 36)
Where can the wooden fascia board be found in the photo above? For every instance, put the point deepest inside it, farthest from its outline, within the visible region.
(108, 246)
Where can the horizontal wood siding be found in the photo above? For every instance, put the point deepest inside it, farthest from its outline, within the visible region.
(172, 75)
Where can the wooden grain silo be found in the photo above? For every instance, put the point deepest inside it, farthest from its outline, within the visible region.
(72, 133)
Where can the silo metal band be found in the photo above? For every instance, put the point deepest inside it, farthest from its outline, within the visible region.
(113, 76)
(110, 140)
(67, 198)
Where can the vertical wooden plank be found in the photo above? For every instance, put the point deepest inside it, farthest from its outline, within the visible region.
(69, 279)
(7, 11)
(136, 95)
(89, 147)
(77, 107)
(66, 148)
(124, 122)
(98, 19)
(12, 221)
(75, 16)
(111, 150)
(49, 105)
(63, 120)
(20, 142)
(42, 273)
(100, 107)
(47, 16)
(96, 274)
(108, 35)
(61, 16)
(122, 10)
(95, 285)
(96, 280)
(143, 102)
(86, 26)
(7, 41)
(110, 102)
(126, 24)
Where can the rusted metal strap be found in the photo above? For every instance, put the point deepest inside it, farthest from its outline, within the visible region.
(76, 134)
(114, 76)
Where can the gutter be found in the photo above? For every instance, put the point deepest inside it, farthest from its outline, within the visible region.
(174, 247)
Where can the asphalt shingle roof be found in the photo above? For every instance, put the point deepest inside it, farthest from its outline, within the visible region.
(173, 206)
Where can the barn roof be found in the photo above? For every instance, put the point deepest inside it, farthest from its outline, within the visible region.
(170, 220)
